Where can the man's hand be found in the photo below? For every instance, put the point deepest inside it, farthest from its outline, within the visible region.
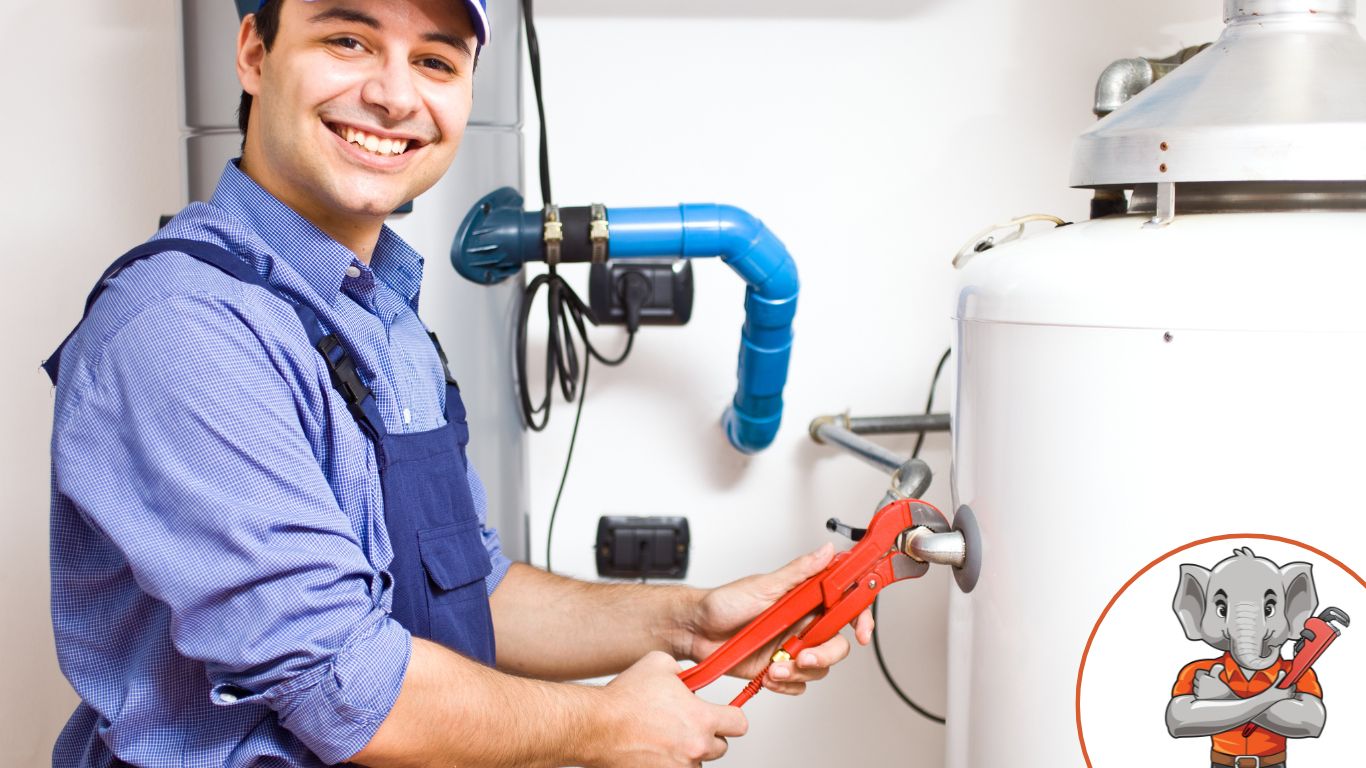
(727, 609)
(654, 720)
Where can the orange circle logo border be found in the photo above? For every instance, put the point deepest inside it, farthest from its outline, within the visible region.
(1081, 668)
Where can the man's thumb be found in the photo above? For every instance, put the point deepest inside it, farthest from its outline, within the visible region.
(805, 567)
(1217, 670)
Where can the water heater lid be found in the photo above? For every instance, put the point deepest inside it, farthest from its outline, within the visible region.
(1280, 96)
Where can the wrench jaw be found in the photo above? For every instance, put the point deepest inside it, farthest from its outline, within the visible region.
(923, 514)
(903, 567)
(1332, 614)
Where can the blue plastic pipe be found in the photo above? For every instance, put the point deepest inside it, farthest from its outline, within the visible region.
(705, 230)
(497, 237)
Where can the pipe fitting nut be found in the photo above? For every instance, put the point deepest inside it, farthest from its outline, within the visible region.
(925, 546)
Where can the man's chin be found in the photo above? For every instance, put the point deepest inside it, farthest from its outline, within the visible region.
(376, 207)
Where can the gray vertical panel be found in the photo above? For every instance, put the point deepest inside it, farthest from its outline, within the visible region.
(210, 51)
(205, 155)
(476, 323)
(498, 80)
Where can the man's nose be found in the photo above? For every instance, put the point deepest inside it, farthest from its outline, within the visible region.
(392, 90)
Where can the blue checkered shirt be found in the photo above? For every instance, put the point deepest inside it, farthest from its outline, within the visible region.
(218, 536)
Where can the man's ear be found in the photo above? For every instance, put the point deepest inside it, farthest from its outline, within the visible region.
(251, 52)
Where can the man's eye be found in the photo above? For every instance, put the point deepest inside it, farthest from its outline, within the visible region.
(349, 43)
(437, 65)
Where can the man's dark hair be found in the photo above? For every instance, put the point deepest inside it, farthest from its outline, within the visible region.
(267, 26)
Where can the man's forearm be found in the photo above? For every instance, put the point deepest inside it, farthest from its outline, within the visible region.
(556, 628)
(454, 711)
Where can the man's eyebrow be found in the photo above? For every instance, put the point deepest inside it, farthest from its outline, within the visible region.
(347, 14)
(358, 17)
(454, 41)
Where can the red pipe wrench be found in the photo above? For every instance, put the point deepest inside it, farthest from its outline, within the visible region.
(1318, 634)
(835, 596)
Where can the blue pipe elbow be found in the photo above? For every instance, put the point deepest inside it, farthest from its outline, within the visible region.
(497, 237)
(755, 253)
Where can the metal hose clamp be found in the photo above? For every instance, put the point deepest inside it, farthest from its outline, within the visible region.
(553, 235)
(597, 232)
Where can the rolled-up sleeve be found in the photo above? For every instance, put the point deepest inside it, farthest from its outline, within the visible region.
(195, 462)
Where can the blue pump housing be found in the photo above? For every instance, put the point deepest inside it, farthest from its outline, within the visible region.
(497, 237)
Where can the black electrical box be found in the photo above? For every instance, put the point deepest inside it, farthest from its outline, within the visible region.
(643, 547)
(668, 299)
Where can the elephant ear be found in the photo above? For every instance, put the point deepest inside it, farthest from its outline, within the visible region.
(1297, 579)
(1190, 600)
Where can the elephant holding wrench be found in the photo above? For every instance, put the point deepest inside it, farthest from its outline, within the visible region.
(1248, 607)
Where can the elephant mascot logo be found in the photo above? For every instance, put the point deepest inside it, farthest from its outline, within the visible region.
(1250, 700)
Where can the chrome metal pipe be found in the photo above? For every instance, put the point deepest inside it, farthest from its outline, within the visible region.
(892, 425)
(909, 481)
(910, 477)
(825, 429)
(926, 546)
(1121, 81)
(1124, 79)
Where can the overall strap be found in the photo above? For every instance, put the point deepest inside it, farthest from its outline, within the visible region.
(345, 379)
(455, 406)
(445, 364)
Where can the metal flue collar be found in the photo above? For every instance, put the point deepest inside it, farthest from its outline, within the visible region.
(1280, 96)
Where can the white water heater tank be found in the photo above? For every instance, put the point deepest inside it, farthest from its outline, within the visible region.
(1140, 395)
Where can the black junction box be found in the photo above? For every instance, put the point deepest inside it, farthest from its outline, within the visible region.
(668, 301)
(642, 547)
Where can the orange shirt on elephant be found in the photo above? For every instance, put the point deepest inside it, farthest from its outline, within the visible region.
(1262, 741)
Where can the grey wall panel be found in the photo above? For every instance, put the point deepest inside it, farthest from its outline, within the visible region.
(498, 80)
(210, 51)
(205, 155)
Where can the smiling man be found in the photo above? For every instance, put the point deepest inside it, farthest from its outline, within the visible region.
(268, 545)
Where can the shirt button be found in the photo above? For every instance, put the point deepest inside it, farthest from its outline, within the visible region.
(353, 271)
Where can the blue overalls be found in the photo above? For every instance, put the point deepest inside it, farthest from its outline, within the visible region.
(440, 562)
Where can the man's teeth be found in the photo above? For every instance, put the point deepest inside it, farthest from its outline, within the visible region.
(374, 143)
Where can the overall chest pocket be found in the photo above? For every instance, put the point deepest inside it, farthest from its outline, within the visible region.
(456, 564)
(454, 556)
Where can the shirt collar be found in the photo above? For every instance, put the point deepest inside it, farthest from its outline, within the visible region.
(319, 259)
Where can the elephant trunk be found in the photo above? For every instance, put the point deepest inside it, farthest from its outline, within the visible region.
(1248, 632)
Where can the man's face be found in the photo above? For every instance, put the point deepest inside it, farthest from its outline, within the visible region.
(359, 106)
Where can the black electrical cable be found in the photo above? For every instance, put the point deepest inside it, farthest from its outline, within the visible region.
(578, 412)
(929, 401)
(877, 645)
(566, 314)
(533, 49)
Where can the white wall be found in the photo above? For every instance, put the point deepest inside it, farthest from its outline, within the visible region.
(873, 136)
(91, 159)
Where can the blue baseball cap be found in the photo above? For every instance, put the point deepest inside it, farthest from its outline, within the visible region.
(479, 15)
